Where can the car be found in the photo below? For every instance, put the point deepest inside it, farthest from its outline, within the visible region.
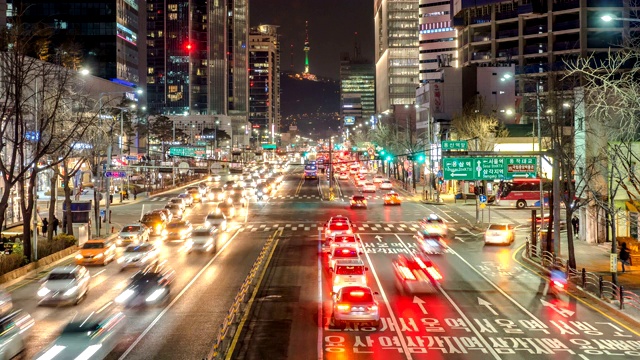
(504, 234)
(229, 185)
(392, 198)
(155, 222)
(148, 287)
(349, 240)
(176, 211)
(188, 200)
(338, 225)
(96, 252)
(348, 272)
(353, 170)
(190, 188)
(342, 253)
(178, 201)
(358, 202)
(88, 336)
(363, 170)
(216, 220)
(203, 188)
(168, 216)
(196, 195)
(133, 234)
(6, 304)
(343, 176)
(360, 182)
(179, 230)
(429, 243)
(378, 179)
(355, 304)
(416, 274)
(16, 327)
(386, 185)
(227, 209)
(368, 187)
(202, 239)
(139, 256)
(64, 285)
(433, 224)
(217, 194)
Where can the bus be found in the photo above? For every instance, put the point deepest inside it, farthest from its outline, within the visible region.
(522, 193)
(310, 172)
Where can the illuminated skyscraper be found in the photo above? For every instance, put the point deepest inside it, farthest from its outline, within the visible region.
(357, 89)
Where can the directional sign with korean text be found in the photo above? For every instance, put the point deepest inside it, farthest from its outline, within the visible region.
(493, 168)
(455, 145)
(193, 151)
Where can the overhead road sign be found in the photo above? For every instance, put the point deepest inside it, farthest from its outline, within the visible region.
(268, 146)
(454, 145)
(188, 151)
(489, 168)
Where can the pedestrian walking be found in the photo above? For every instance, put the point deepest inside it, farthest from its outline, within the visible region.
(45, 226)
(55, 223)
(575, 222)
(625, 256)
(135, 194)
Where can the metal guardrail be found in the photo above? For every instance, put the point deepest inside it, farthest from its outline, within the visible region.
(236, 312)
(587, 281)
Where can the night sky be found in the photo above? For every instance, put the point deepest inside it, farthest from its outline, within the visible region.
(332, 24)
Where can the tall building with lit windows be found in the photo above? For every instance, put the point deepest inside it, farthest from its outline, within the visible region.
(396, 53)
(357, 89)
(264, 82)
(438, 39)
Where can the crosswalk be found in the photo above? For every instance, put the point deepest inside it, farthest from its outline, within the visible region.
(366, 227)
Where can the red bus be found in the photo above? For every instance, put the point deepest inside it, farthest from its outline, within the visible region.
(522, 193)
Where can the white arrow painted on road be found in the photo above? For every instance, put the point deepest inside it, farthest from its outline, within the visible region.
(467, 230)
(563, 312)
(420, 302)
(379, 238)
(488, 305)
(458, 238)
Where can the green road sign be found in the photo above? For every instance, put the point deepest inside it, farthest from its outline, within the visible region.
(489, 168)
(269, 146)
(189, 151)
(201, 143)
(455, 145)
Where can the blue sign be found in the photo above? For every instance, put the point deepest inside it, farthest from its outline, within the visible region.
(349, 120)
(483, 198)
(32, 136)
(132, 157)
(115, 174)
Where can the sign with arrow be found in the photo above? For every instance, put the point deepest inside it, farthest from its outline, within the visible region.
(420, 303)
(379, 238)
(564, 312)
(489, 168)
(488, 305)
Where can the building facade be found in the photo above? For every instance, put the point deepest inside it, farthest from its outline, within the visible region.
(264, 83)
(105, 37)
(357, 89)
(438, 38)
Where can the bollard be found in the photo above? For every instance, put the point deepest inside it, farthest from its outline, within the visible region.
(584, 279)
(621, 296)
(600, 286)
(527, 249)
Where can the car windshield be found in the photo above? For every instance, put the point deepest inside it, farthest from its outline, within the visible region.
(497, 227)
(150, 218)
(358, 198)
(145, 276)
(131, 229)
(345, 253)
(138, 248)
(350, 270)
(89, 245)
(176, 201)
(173, 207)
(213, 216)
(181, 196)
(175, 225)
(357, 296)
(87, 327)
(201, 233)
(61, 276)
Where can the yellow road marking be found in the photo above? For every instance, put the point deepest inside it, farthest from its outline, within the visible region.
(299, 185)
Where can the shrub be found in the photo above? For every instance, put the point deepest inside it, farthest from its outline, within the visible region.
(11, 262)
(58, 243)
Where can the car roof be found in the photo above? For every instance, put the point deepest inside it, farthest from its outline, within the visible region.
(350, 262)
(65, 269)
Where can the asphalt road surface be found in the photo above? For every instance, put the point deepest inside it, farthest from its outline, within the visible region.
(488, 305)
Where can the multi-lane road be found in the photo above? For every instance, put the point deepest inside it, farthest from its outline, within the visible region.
(489, 306)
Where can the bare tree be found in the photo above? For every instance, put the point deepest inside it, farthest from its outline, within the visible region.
(473, 124)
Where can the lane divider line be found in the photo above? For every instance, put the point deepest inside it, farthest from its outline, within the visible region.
(175, 300)
(462, 314)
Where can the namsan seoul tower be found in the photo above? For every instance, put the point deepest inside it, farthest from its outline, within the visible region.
(306, 47)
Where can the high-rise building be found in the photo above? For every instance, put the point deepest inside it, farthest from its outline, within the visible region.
(396, 53)
(438, 40)
(198, 59)
(264, 82)
(357, 89)
(108, 37)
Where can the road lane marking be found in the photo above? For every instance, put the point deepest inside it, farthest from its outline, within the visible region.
(99, 272)
(488, 305)
(464, 317)
(175, 300)
(459, 239)
(320, 304)
(386, 304)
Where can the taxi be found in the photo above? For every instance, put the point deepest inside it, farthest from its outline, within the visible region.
(342, 253)
(348, 272)
(416, 274)
(96, 252)
(358, 202)
(430, 243)
(349, 240)
(338, 225)
(392, 198)
(434, 225)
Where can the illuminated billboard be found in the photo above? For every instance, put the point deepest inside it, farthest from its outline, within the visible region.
(349, 120)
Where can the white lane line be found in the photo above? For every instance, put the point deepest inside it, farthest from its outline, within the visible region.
(320, 305)
(184, 290)
(386, 304)
(99, 272)
(466, 319)
(458, 238)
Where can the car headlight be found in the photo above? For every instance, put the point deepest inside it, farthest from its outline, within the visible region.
(124, 296)
(120, 260)
(79, 257)
(99, 256)
(184, 231)
(155, 295)
(259, 193)
(43, 291)
(158, 227)
(71, 291)
(229, 201)
(119, 242)
(207, 223)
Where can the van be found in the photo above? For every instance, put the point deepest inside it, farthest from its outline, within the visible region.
(349, 272)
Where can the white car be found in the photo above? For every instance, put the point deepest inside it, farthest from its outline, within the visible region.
(179, 201)
(216, 220)
(386, 185)
(363, 170)
(348, 272)
(15, 330)
(176, 211)
(188, 199)
(138, 256)
(64, 285)
(202, 239)
(360, 182)
(355, 304)
(133, 234)
(369, 187)
(343, 176)
(503, 234)
(86, 337)
(378, 179)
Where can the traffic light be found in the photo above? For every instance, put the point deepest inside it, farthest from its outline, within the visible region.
(388, 158)
(382, 152)
(188, 46)
(354, 148)
(420, 158)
